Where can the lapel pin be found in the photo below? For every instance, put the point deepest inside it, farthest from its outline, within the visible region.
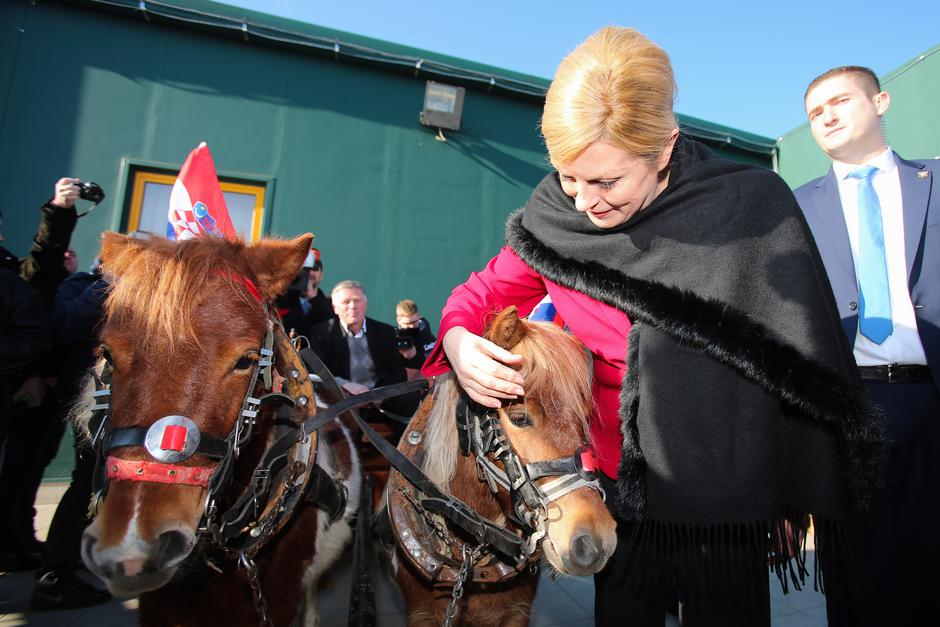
(923, 174)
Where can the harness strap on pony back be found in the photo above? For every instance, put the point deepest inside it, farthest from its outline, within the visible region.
(459, 513)
(501, 540)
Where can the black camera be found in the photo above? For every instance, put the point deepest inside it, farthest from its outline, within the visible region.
(89, 190)
(405, 338)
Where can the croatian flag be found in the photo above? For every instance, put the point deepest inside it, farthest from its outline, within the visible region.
(545, 311)
(197, 206)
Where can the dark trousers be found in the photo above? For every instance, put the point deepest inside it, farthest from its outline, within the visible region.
(899, 563)
(636, 594)
(33, 440)
(63, 544)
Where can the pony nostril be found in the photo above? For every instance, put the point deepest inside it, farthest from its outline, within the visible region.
(172, 548)
(584, 550)
(88, 550)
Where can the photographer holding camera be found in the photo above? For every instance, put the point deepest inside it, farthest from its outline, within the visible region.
(413, 335)
(34, 423)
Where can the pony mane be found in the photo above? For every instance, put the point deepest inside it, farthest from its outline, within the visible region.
(557, 371)
(440, 460)
(160, 284)
(80, 408)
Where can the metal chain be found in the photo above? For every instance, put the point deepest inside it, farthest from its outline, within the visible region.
(468, 558)
(435, 521)
(260, 604)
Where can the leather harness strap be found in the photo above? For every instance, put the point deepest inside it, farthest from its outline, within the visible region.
(156, 472)
(503, 541)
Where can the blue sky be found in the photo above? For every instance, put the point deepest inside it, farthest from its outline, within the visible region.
(742, 64)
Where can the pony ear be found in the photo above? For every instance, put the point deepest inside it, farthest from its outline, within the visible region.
(112, 245)
(275, 263)
(506, 330)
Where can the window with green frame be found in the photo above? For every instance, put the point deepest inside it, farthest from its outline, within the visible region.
(149, 201)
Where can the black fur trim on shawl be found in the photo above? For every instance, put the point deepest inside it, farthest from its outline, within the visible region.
(741, 404)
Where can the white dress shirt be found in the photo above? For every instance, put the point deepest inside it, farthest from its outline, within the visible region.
(903, 346)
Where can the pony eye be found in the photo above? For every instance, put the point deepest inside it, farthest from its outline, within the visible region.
(106, 355)
(520, 418)
(244, 363)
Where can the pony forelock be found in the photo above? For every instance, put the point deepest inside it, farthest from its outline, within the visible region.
(557, 371)
(160, 284)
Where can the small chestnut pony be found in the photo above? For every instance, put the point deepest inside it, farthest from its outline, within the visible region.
(211, 511)
(525, 468)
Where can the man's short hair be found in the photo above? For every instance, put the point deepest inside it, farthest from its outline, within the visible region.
(347, 285)
(867, 78)
(406, 307)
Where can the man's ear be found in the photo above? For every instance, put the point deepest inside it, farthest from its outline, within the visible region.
(275, 263)
(882, 102)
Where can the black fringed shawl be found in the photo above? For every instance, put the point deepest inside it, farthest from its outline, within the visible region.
(741, 408)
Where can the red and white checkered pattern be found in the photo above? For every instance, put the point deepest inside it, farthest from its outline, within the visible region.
(197, 180)
(185, 225)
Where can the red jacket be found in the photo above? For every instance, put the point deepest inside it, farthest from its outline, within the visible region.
(506, 281)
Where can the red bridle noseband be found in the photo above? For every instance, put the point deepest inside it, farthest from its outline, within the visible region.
(174, 439)
(155, 472)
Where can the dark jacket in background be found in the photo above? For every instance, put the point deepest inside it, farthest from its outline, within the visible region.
(321, 310)
(329, 342)
(42, 267)
(76, 315)
(24, 336)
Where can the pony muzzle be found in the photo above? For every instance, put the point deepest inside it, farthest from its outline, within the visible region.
(136, 566)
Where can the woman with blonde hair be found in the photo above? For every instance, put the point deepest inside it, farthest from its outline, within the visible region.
(727, 405)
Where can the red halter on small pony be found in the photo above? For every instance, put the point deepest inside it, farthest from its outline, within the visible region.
(174, 439)
(170, 440)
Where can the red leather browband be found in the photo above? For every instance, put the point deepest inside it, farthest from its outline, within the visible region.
(156, 472)
(249, 285)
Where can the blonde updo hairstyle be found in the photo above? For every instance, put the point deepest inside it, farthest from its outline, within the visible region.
(616, 87)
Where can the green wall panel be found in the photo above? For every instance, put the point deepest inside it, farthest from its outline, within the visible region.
(408, 215)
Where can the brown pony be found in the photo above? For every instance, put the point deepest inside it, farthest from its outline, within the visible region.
(183, 339)
(550, 423)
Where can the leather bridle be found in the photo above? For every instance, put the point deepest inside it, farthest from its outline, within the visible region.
(480, 434)
(286, 474)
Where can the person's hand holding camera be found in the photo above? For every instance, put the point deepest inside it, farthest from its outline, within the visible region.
(66, 192)
(407, 348)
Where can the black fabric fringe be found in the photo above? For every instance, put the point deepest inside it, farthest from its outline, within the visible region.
(725, 565)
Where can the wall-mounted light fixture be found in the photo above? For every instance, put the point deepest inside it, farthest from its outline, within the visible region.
(443, 106)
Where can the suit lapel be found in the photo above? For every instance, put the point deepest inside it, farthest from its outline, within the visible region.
(836, 250)
(375, 348)
(341, 347)
(915, 193)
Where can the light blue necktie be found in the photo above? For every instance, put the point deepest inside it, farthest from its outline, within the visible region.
(875, 311)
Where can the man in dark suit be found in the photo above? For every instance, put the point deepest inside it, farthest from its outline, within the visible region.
(361, 352)
(876, 220)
